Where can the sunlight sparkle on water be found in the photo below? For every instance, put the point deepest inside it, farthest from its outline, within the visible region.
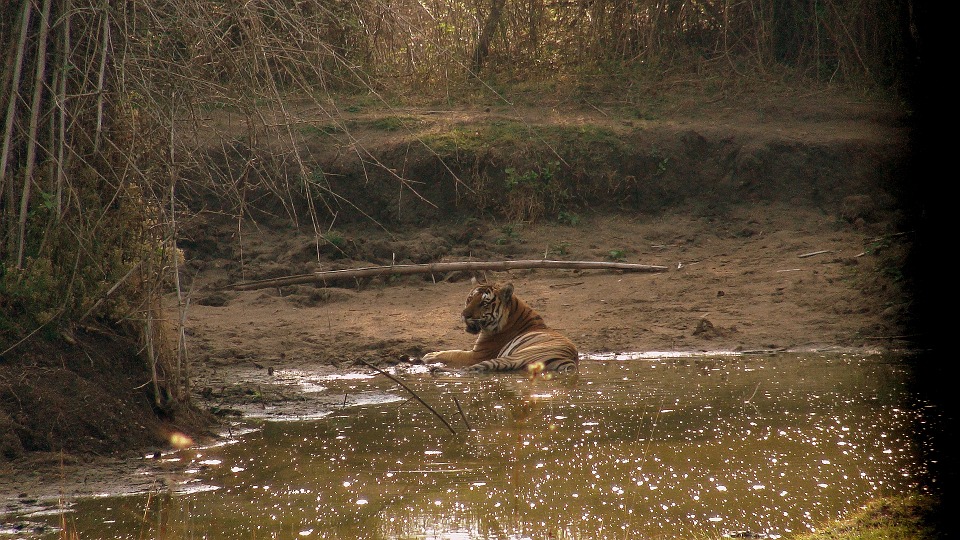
(348, 376)
(590, 457)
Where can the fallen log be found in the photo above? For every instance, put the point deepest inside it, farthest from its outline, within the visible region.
(325, 276)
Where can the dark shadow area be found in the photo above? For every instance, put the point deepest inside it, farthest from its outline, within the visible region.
(927, 265)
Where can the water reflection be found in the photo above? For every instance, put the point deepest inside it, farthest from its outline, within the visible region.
(659, 446)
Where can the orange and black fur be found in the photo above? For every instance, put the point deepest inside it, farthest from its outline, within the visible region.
(511, 336)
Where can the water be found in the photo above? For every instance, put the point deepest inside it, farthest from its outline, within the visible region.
(641, 446)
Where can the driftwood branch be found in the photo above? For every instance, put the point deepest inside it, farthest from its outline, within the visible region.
(430, 268)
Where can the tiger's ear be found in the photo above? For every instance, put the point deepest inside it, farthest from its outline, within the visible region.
(505, 292)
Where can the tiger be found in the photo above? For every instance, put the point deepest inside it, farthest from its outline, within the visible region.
(511, 336)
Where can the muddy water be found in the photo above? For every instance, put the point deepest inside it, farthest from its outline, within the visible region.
(636, 446)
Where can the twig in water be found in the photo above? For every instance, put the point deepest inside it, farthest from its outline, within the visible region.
(462, 415)
(412, 393)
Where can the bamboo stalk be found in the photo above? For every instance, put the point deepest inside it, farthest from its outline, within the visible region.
(182, 379)
(152, 355)
(62, 106)
(373, 271)
(6, 183)
(54, 110)
(32, 138)
(101, 76)
(182, 341)
(6, 73)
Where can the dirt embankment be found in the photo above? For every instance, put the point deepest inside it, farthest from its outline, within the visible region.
(781, 225)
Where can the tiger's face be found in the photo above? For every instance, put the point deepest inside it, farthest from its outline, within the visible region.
(485, 309)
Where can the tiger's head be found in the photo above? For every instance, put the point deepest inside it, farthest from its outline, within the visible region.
(487, 307)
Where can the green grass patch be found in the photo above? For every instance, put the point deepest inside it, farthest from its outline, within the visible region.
(617, 255)
(891, 518)
(394, 123)
(324, 130)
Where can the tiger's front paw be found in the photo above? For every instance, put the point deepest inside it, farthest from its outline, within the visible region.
(431, 357)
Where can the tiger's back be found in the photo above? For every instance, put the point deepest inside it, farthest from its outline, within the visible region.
(511, 336)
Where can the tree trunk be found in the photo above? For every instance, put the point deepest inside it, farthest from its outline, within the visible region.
(482, 50)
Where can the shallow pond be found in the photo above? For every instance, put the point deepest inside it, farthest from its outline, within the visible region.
(635, 446)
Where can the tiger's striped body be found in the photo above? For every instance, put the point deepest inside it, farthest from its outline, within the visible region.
(512, 336)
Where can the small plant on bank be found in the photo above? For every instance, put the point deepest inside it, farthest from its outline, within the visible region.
(335, 239)
(617, 255)
(323, 129)
(661, 160)
(533, 193)
(510, 233)
(568, 218)
(877, 246)
(390, 123)
(560, 248)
